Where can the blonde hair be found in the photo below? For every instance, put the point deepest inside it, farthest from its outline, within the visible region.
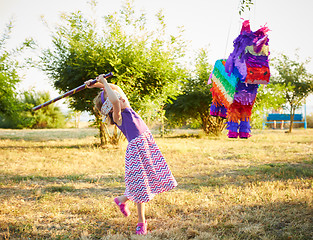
(97, 101)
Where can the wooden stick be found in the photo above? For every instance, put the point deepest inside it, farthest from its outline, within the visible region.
(69, 93)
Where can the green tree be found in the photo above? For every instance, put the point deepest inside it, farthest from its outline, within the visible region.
(269, 97)
(295, 81)
(48, 117)
(244, 5)
(144, 62)
(196, 98)
(8, 73)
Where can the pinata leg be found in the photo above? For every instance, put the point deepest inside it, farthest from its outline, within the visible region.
(214, 109)
(223, 112)
(218, 110)
(233, 117)
(241, 109)
(244, 126)
(232, 128)
(244, 129)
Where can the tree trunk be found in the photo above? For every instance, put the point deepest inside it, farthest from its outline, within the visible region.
(292, 115)
(103, 136)
(101, 127)
(162, 123)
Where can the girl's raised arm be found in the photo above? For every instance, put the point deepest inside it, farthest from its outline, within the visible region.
(117, 116)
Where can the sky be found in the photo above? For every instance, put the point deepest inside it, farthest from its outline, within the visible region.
(207, 23)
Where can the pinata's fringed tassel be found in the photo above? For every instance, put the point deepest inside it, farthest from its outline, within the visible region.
(232, 128)
(224, 86)
(244, 135)
(244, 129)
(223, 112)
(246, 111)
(233, 113)
(214, 110)
(221, 98)
(245, 98)
(218, 109)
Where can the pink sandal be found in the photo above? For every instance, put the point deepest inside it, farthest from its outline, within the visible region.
(141, 228)
(123, 207)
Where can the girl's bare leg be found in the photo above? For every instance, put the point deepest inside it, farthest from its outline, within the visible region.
(141, 212)
(122, 199)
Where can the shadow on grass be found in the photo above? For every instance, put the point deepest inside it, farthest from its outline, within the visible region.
(64, 179)
(64, 184)
(74, 146)
(279, 220)
(243, 176)
(185, 136)
(67, 146)
(280, 170)
(193, 135)
(238, 177)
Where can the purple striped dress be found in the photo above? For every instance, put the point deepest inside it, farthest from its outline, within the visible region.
(146, 171)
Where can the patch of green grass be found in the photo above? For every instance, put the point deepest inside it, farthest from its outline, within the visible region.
(74, 177)
(65, 188)
(47, 134)
(18, 178)
(309, 161)
(280, 171)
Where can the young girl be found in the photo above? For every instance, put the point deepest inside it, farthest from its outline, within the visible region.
(146, 171)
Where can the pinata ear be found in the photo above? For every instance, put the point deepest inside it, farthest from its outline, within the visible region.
(245, 27)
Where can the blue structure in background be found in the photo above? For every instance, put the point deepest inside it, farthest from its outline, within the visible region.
(278, 117)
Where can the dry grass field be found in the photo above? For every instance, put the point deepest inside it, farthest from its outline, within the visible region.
(56, 184)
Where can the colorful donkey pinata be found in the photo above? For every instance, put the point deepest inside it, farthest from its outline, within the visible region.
(235, 81)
